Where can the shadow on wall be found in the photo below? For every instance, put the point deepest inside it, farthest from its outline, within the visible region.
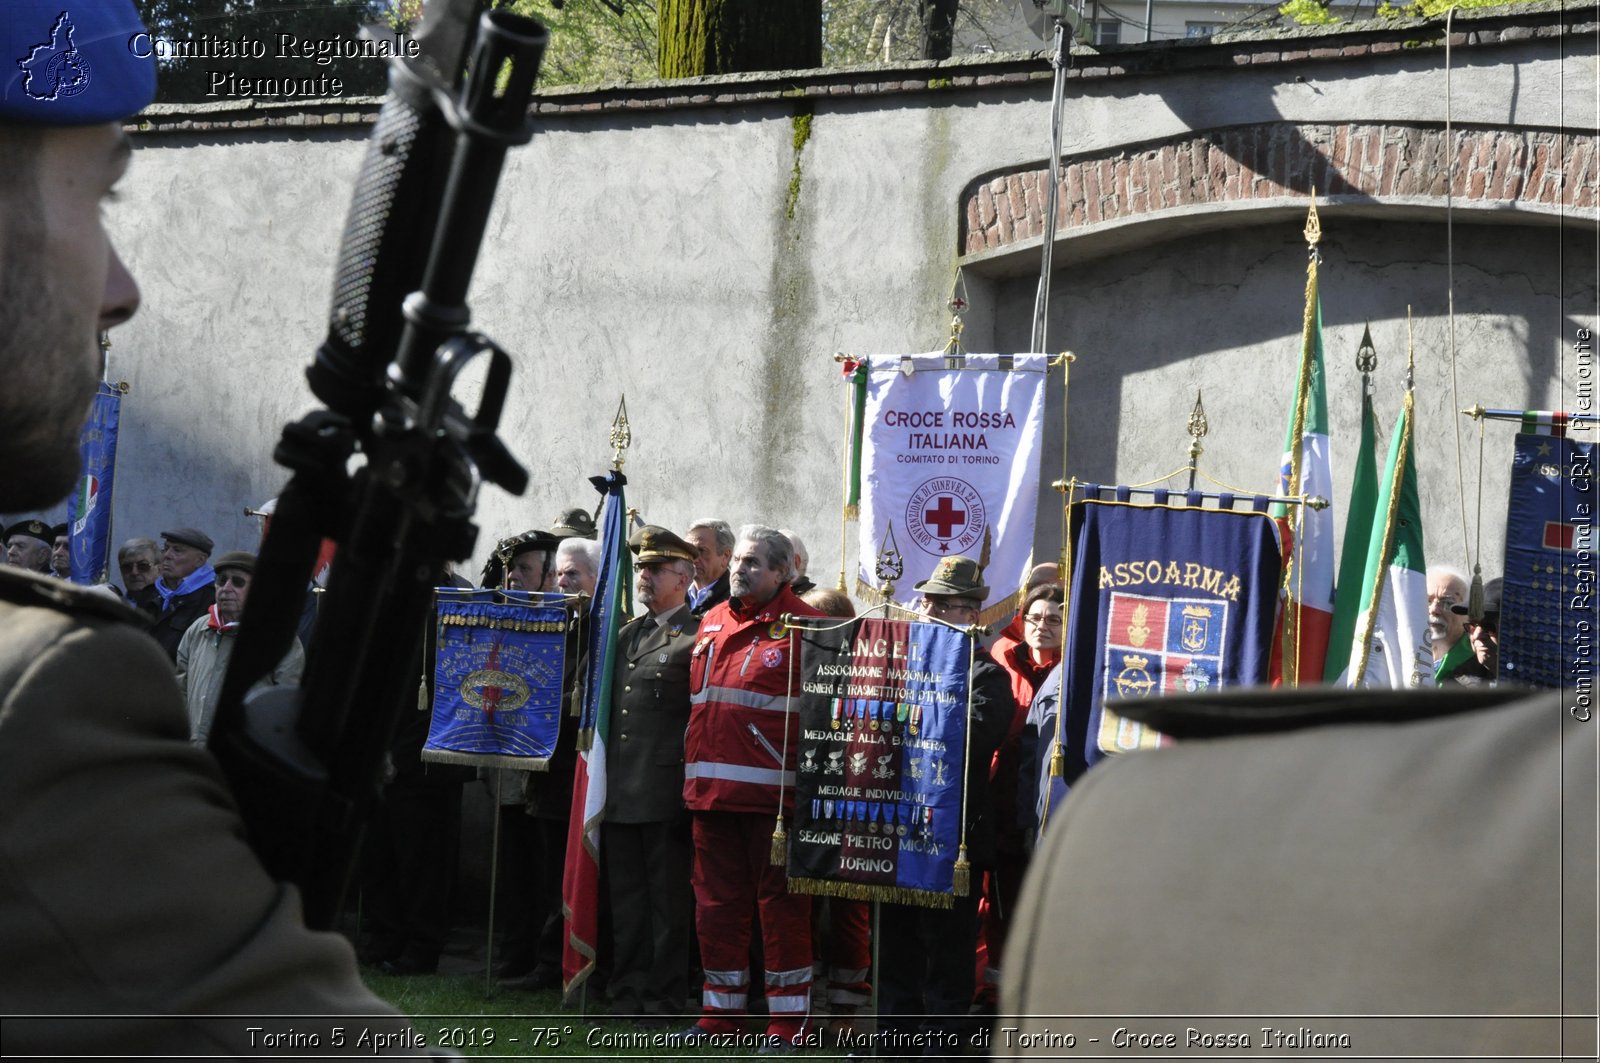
(1221, 315)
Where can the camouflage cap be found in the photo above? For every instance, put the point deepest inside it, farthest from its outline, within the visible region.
(955, 577)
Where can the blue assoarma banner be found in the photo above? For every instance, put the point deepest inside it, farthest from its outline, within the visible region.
(497, 696)
(1164, 600)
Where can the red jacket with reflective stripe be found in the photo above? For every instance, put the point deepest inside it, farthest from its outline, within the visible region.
(741, 672)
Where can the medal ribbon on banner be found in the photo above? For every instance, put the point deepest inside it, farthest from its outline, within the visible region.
(883, 724)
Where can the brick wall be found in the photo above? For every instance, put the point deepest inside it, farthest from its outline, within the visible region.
(1260, 162)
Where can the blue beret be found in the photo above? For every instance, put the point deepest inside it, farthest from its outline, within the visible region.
(72, 62)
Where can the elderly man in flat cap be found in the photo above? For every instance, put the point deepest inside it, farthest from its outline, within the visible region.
(206, 648)
(186, 588)
(645, 836)
(28, 545)
(136, 920)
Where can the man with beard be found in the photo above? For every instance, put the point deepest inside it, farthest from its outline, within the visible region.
(136, 920)
(742, 669)
(1453, 658)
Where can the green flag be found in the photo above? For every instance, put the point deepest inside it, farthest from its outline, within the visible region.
(1391, 646)
(1357, 543)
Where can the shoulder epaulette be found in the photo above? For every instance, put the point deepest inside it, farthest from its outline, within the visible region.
(31, 588)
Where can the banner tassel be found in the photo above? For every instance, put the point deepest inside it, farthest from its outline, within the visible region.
(961, 878)
(422, 695)
(780, 843)
(1058, 763)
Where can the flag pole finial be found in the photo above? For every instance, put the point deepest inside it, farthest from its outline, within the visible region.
(1313, 229)
(1411, 352)
(1197, 428)
(890, 565)
(621, 434)
(957, 304)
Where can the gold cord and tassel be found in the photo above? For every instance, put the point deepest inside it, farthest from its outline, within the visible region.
(961, 879)
(780, 843)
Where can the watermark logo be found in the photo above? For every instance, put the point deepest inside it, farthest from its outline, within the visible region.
(55, 70)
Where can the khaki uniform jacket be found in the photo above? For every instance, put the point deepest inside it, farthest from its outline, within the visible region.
(1442, 864)
(649, 712)
(126, 887)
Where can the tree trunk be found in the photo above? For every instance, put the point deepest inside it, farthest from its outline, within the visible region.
(938, 18)
(735, 36)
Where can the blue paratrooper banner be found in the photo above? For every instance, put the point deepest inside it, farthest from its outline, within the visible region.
(882, 765)
(1548, 609)
(497, 695)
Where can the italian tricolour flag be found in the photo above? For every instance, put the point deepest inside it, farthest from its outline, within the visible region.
(1391, 646)
(1307, 470)
(1357, 544)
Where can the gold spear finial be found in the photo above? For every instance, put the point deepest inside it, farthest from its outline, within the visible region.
(1366, 354)
(621, 434)
(1313, 225)
(890, 565)
(1198, 425)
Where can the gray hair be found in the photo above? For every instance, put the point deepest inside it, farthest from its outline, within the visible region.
(137, 546)
(1454, 573)
(720, 528)
(586, 549)
(802, 556)
(780, 552)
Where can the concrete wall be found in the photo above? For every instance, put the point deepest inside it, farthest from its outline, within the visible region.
(670, 242)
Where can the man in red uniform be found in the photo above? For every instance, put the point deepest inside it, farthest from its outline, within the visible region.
(739, 768)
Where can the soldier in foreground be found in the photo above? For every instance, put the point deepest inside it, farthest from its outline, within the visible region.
(126, 888)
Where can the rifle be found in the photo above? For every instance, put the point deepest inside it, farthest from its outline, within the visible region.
(306, 764)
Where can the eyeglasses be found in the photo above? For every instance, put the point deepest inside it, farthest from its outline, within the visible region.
(137, 566)
(1046, 620)
(237, 580)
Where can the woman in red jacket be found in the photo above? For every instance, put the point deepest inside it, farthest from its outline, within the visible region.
(1027, 663)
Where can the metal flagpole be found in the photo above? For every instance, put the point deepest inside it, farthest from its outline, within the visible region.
(1041, 304)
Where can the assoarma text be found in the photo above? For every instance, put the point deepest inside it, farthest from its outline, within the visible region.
(1189, 574)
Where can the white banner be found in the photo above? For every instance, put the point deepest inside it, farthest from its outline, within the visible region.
(946, 455)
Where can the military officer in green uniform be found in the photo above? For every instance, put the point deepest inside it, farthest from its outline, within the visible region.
(645, 836)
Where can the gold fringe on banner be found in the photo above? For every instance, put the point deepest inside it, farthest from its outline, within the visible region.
(1002, 610)
(861, 891)
(487, 760)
